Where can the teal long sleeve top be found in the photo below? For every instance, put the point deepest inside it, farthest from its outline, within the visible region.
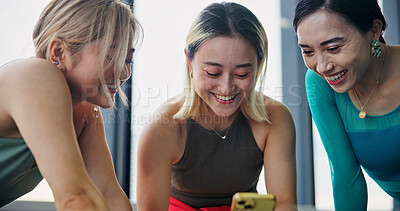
(351, 143)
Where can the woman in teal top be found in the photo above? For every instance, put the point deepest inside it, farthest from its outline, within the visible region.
(353, 89)
(50, 123)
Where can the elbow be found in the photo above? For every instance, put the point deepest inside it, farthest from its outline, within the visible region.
(76, 202)
(286, 206)
(81, 201)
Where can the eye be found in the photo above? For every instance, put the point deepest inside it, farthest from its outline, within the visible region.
(334, 49)
(211, 74)
(242, 75)
(129, 61)
(307, 53)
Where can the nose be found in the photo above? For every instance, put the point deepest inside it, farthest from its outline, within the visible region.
(323, 64)
(226, 84)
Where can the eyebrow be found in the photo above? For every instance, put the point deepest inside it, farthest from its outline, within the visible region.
(245, 65)
(219, 65)
(324, 42)
(213, 64)
(332, 40)
(132, 50)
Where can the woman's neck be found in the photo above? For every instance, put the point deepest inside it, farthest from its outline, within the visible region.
(217, 122)
(377, 73)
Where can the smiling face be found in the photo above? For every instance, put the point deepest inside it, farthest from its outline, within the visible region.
(334, 48)
(84, 79)
(224, 72)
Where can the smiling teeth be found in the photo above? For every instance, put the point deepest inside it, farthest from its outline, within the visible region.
(225, 98)
(336, 77)
(111, 86)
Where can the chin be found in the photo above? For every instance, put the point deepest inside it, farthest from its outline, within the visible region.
(104, 103)
(106, 106)
(341, 89)
(225, 113)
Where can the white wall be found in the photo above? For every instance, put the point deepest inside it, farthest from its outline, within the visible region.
(17, 20)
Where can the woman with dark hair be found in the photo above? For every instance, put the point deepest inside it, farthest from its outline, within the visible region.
(215, 138)
(352, 85)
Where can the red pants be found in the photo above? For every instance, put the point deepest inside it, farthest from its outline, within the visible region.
(176, 205)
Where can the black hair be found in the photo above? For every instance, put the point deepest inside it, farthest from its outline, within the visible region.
(360, 13)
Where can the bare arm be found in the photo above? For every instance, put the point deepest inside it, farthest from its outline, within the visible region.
(96, 156)
(39, 101)
(158, 149)
(280, 159)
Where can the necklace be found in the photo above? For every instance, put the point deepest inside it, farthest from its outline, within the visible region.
(226, 133)
(362, 113)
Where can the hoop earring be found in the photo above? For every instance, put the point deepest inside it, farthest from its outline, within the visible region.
(376, 49)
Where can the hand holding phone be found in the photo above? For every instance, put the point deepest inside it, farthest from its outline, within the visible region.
(246, 201)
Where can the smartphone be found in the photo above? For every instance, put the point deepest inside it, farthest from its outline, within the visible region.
(243, 201)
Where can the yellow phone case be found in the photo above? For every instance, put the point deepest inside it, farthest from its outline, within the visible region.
(243, 201)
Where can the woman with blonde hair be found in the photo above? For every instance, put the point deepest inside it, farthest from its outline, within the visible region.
(214, 140)
(51, 126)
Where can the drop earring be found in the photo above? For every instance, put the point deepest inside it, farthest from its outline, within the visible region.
(96, 112)
(96, 115)
(376, 49)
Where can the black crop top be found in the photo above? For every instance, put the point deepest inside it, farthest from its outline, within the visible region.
(211, 169)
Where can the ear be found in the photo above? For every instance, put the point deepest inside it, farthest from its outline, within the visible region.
(188, 60)
(57, 50)
(376, 29)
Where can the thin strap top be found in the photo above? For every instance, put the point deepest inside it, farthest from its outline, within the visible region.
(212, 170)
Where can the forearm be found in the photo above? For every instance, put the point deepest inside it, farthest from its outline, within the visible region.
(350, 193)
(118, 201)
(286, 206)
(81, 199)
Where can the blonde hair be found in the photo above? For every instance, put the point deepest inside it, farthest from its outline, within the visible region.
(79, 22)
(232, 20)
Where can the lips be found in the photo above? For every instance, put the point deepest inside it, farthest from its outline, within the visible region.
(336, 78)
(111, 86)
(225, 99)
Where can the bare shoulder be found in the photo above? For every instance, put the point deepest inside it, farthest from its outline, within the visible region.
(280, 129)
(278, 114)
(164, 134)
(277, 111)
(29, 67)
(35, 90)
(33, 74)
(35, 82)
(163, 117)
